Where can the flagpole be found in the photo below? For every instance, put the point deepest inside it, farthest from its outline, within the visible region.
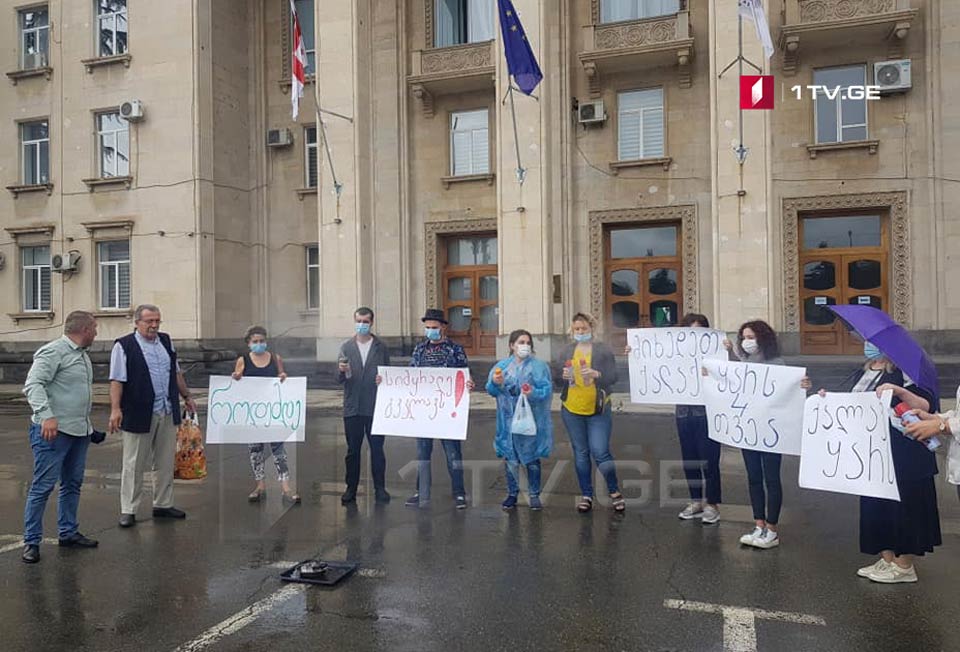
(322, 130)
(521, 172)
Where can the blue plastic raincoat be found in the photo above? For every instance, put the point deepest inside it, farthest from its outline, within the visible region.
(522, 448)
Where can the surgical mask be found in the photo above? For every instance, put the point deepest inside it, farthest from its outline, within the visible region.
(750, 346)
(258, 347)
(523, 351)
(363, 328)
(871, 351)
(433, 334)
(583, 337)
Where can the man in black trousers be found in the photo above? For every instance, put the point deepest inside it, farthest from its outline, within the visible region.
(357, 372)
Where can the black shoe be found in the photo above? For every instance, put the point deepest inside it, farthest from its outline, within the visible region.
(31, 554)
(77, 540)
(461, 502)
(413, 501)
(382, 496)
(127, 520)
(349, 496)
(168, 512)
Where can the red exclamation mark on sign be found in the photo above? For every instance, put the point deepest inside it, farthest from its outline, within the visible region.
(458, 392)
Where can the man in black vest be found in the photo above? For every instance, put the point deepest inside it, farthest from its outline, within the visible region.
(145, 380)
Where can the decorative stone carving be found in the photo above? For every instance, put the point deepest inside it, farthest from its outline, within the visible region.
(635, 34)
(428, 23)
(894, 203)
(432, 231)
(457, 58)
(686, 215)
(818, 11)
(425, 97)
(593, 78)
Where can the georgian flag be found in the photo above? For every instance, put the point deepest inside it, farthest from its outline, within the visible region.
(753, 10)
(298, 63)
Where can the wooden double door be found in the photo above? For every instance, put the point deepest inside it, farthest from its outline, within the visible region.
(471, 292)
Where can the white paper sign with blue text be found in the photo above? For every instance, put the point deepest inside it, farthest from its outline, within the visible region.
(846, 445)
(755, 406)
(428, 402)
(255, 410)
(665, 363)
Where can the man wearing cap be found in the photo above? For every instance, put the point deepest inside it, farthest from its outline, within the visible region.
(438, 351)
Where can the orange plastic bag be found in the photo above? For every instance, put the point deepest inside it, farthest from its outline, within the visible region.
(191, 462)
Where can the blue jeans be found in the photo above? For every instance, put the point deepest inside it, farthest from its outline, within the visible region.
(452, 450)
(701, 458)
(62, 459)
(590, 436)
(764, 468)
(513, 478)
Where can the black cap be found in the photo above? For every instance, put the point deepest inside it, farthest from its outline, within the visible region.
(435, 314)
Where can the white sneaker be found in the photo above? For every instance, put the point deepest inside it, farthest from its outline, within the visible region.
(691, 511)
(751, 538)
(880, 565)
(710, 515)
(768, 539)
(893, 574)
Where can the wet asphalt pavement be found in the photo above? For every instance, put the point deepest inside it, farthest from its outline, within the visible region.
(440, 579)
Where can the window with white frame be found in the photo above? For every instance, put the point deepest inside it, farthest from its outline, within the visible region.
(113, 259)
(34, 37)
(305, 16)
(113, 145)
(462, 21)
(35, 152)
(612, 11)
(313, 277)
(640, 124)
(840, 119)
(310, 156)
(469, 143)
(111, 27)
(35, 278)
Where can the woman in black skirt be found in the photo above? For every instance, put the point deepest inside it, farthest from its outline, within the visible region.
(898, 531)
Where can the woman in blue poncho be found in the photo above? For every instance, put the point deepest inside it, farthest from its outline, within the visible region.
(522, 373)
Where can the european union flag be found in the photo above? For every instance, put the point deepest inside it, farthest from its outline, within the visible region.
(521, 63)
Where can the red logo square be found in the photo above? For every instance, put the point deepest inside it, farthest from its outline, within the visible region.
(756, 91)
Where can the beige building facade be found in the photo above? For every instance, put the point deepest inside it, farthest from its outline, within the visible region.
(211, 202)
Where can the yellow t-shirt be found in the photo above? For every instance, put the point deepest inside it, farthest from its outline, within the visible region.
(581, 398)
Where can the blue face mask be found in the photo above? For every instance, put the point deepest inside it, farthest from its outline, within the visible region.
(258, 347)
(871, 351)
(433, 334)
(363, 328)
(583, 337)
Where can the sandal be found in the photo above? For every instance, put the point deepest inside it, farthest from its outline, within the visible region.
(618, 501)
(289, 497)
(257, 495)
(585, 504)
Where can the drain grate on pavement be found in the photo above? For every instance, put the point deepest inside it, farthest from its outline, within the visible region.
(333, 573)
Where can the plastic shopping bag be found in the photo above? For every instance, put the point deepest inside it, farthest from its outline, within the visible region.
(191, 462)
(523, 421)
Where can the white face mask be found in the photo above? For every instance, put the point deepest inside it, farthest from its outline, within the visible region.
(523, 351)
(750, 346)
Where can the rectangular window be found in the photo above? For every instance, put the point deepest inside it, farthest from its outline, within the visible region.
(842, 231)
(35, 152)
(643, 242)
(111, 27)
(35, 266)
(305, 16)
(113, 145)
(310, 156)
(840, 119)
(113, 258)
(34, 37)
(469, 143)
(313, 277)
(612, 11)
(463, 21)
(640, 124)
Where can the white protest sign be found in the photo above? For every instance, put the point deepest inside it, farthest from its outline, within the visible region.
(429, 402)
(665, 363)
(846, 445)
(254, 410)
(755, 406)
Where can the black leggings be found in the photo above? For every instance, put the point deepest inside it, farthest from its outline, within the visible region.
(764, 469)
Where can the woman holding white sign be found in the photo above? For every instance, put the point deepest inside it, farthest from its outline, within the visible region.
(588, 371)
(522, 375)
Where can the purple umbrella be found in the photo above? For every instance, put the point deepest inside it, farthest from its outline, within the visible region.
(893, 339)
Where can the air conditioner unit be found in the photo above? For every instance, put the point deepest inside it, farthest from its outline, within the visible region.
(892, 76)
(279, 138)
(591, 112)
(132, 110)
(65, 263)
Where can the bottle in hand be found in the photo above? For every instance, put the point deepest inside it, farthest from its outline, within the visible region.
(349, 372)
(583, 368)
(901, 411)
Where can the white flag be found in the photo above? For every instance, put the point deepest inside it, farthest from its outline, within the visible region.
(297, 64)
(753, 10)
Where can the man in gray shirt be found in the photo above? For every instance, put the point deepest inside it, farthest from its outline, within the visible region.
(59, 390)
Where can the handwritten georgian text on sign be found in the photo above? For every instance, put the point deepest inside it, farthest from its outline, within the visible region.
(255, 410)
(665, 363)
(426, 402)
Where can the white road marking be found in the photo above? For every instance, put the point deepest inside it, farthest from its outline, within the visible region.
(739, 623)
(18, 538)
